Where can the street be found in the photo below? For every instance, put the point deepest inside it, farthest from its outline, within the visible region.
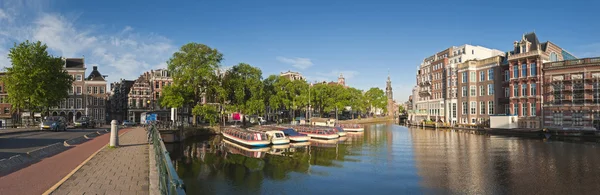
(20, 143)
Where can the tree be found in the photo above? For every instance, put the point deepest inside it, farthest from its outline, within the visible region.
(194, 71)
(36, 80)
(376, 99)
(401, 109)
(243, 86)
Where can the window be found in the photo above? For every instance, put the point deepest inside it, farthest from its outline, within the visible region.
(89, 90)
(63, 104)
(95, 90)
(516, 109)
(473, 107)
(157, 86)
(507, 109)
(473, 91)
(578, 118)
(101, 90)
(491, 74)
(533, 89)
(79, 91)
(453, 110)
(78, 77)
(524, 70)
(533, 70)
(70, 103)
(94, 101)
(516, 71)
(596, 91)
(482, 107)
(464, 91)
(78, 103)
(557, 118)
(481, 76)
(533, 110)
(6, 110)
(464, 108)
(553, 57)
(524, 109)
(506, 75)
(473, 78)
(523, 89)
(464, 77)
(490, 89)
(481, 90)
(100, 102)
(558, 88)
(515, 90)
(71, 90)
(472, 51)
(490, 107)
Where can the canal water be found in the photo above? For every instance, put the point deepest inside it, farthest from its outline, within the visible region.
(391, 159)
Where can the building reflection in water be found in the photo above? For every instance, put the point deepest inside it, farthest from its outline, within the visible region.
(466, 163)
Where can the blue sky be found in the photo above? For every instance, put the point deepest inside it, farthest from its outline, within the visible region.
(362, 39)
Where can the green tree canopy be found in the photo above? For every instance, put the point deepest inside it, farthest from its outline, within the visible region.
(194, 70)
(243, 87)
(376, 98)
(36, 80)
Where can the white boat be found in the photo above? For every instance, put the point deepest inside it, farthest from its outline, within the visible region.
(275, 136)
(249, 138)
(340, 131)
(352, 127)
(319, 133)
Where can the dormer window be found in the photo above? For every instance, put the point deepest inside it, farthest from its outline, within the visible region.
(523, 49)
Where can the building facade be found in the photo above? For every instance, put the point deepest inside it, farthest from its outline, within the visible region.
(87, 97)
(292, 75)
(118, 100)
(139, 98)
(526, 77)
(477, 96)
(572, 94)
(6, 117)
(437, 83)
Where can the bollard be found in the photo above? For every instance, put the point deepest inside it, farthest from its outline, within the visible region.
(114, 134)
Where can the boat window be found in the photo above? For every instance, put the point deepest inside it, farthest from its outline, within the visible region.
(278, 135)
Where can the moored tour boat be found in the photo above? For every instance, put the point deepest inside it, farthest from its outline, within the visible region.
(274, 135)
(295, 136)
(319, 133)
(245, 137)
(340, 131)
(352, 127)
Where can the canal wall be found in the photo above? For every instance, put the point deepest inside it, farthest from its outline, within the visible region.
(180, 134)
(519, 132)
(367, 120)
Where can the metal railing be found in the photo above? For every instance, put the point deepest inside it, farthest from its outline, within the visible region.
(169, 182)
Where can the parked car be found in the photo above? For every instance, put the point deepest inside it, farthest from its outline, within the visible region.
(54, 123)
(85, 122)
(128, 123)
(261, 120)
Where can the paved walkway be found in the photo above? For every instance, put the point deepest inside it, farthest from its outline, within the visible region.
(123, 170)
(39, 177)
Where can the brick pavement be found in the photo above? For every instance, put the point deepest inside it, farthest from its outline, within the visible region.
(122, 170)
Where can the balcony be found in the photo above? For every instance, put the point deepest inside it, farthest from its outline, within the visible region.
(424, 93)
(425, 83)
(577, 62)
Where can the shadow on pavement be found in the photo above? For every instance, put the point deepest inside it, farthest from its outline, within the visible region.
(4, 155)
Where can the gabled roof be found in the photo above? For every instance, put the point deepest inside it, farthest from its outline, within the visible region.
(95, 75)
(74, 63)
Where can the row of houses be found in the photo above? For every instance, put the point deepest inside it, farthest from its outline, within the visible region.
(537, 85)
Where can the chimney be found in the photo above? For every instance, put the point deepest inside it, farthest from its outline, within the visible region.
(95, 68)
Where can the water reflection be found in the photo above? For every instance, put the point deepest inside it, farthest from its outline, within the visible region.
(389, 159)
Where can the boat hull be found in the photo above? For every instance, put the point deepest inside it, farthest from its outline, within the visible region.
(299, 138)
(246, 142)
(280, 141)
(341, 134)
(321, 136)
(354, 129)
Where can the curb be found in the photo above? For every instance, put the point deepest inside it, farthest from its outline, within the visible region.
(75, 141)
(14, 162)
(64, 179)
(17, 132)
(47, 151)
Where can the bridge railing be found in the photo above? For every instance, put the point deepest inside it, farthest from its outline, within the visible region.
(169, 182)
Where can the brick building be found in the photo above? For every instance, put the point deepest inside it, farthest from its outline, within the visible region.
(572, 94)
(87, 97)
(525, 77)
(6, 118)
(478, 97)
(117, 102)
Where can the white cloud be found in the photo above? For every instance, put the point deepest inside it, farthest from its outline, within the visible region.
(300, 63)
(119, 54)
(4, 15)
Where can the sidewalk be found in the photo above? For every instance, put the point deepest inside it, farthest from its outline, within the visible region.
(39, 177)
(122, 170)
